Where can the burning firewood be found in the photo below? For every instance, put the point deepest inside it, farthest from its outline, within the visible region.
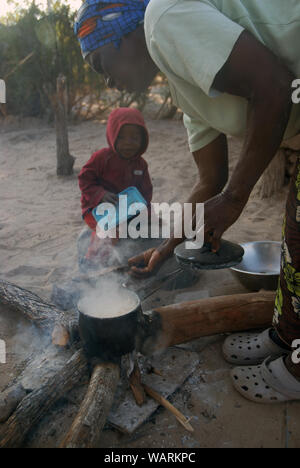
(85, 431)
(9, 401)
(35, 405)
(165, 326)
(43, 315)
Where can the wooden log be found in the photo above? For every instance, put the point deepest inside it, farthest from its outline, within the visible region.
(9, 401)
(181, 323)
(35, 405)
(85, 431)
(39, 368)
(44, 315)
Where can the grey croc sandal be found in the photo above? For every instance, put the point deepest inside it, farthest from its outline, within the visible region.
(270, 382)
(244, 349)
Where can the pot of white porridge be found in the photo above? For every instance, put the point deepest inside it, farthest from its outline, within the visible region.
(109, 324)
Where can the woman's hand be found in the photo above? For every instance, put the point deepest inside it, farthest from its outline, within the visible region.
(220, 212)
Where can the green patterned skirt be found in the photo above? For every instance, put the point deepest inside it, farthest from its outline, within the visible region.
(287, 306)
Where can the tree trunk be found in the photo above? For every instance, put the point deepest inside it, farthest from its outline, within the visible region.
(36, 404)
(86, 429)
(65, 161)
(58, 101)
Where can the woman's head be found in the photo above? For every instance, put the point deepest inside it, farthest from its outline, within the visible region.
(112, 41)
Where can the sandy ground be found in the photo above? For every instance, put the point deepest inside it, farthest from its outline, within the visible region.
(40, 220)
(40, 213)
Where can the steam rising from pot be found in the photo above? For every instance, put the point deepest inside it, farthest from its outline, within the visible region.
(107, 300)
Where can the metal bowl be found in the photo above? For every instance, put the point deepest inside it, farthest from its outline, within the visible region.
(260, 267)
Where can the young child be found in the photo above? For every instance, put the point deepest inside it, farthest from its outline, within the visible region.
(111, 170)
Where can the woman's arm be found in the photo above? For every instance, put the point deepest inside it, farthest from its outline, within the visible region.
(212, 168)
(255, 73)
(212, 165)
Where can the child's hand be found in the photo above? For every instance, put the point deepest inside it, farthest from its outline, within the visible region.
(110, 197)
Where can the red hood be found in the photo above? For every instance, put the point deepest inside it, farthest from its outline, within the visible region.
(120, 117)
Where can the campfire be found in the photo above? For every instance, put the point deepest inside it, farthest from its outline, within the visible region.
(158, 329)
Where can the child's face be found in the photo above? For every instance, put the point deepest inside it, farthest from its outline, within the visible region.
(129, 141)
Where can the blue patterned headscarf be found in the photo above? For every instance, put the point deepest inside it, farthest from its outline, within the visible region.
(100, 22)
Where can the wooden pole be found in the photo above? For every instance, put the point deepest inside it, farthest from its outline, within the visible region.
(65, 161)
(58, 101)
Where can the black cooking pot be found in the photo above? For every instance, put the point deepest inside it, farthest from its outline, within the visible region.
(111, 338)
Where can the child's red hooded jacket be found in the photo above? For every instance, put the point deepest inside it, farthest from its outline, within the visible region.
(107, 171)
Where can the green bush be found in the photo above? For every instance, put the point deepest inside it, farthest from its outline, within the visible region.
(48, 42)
